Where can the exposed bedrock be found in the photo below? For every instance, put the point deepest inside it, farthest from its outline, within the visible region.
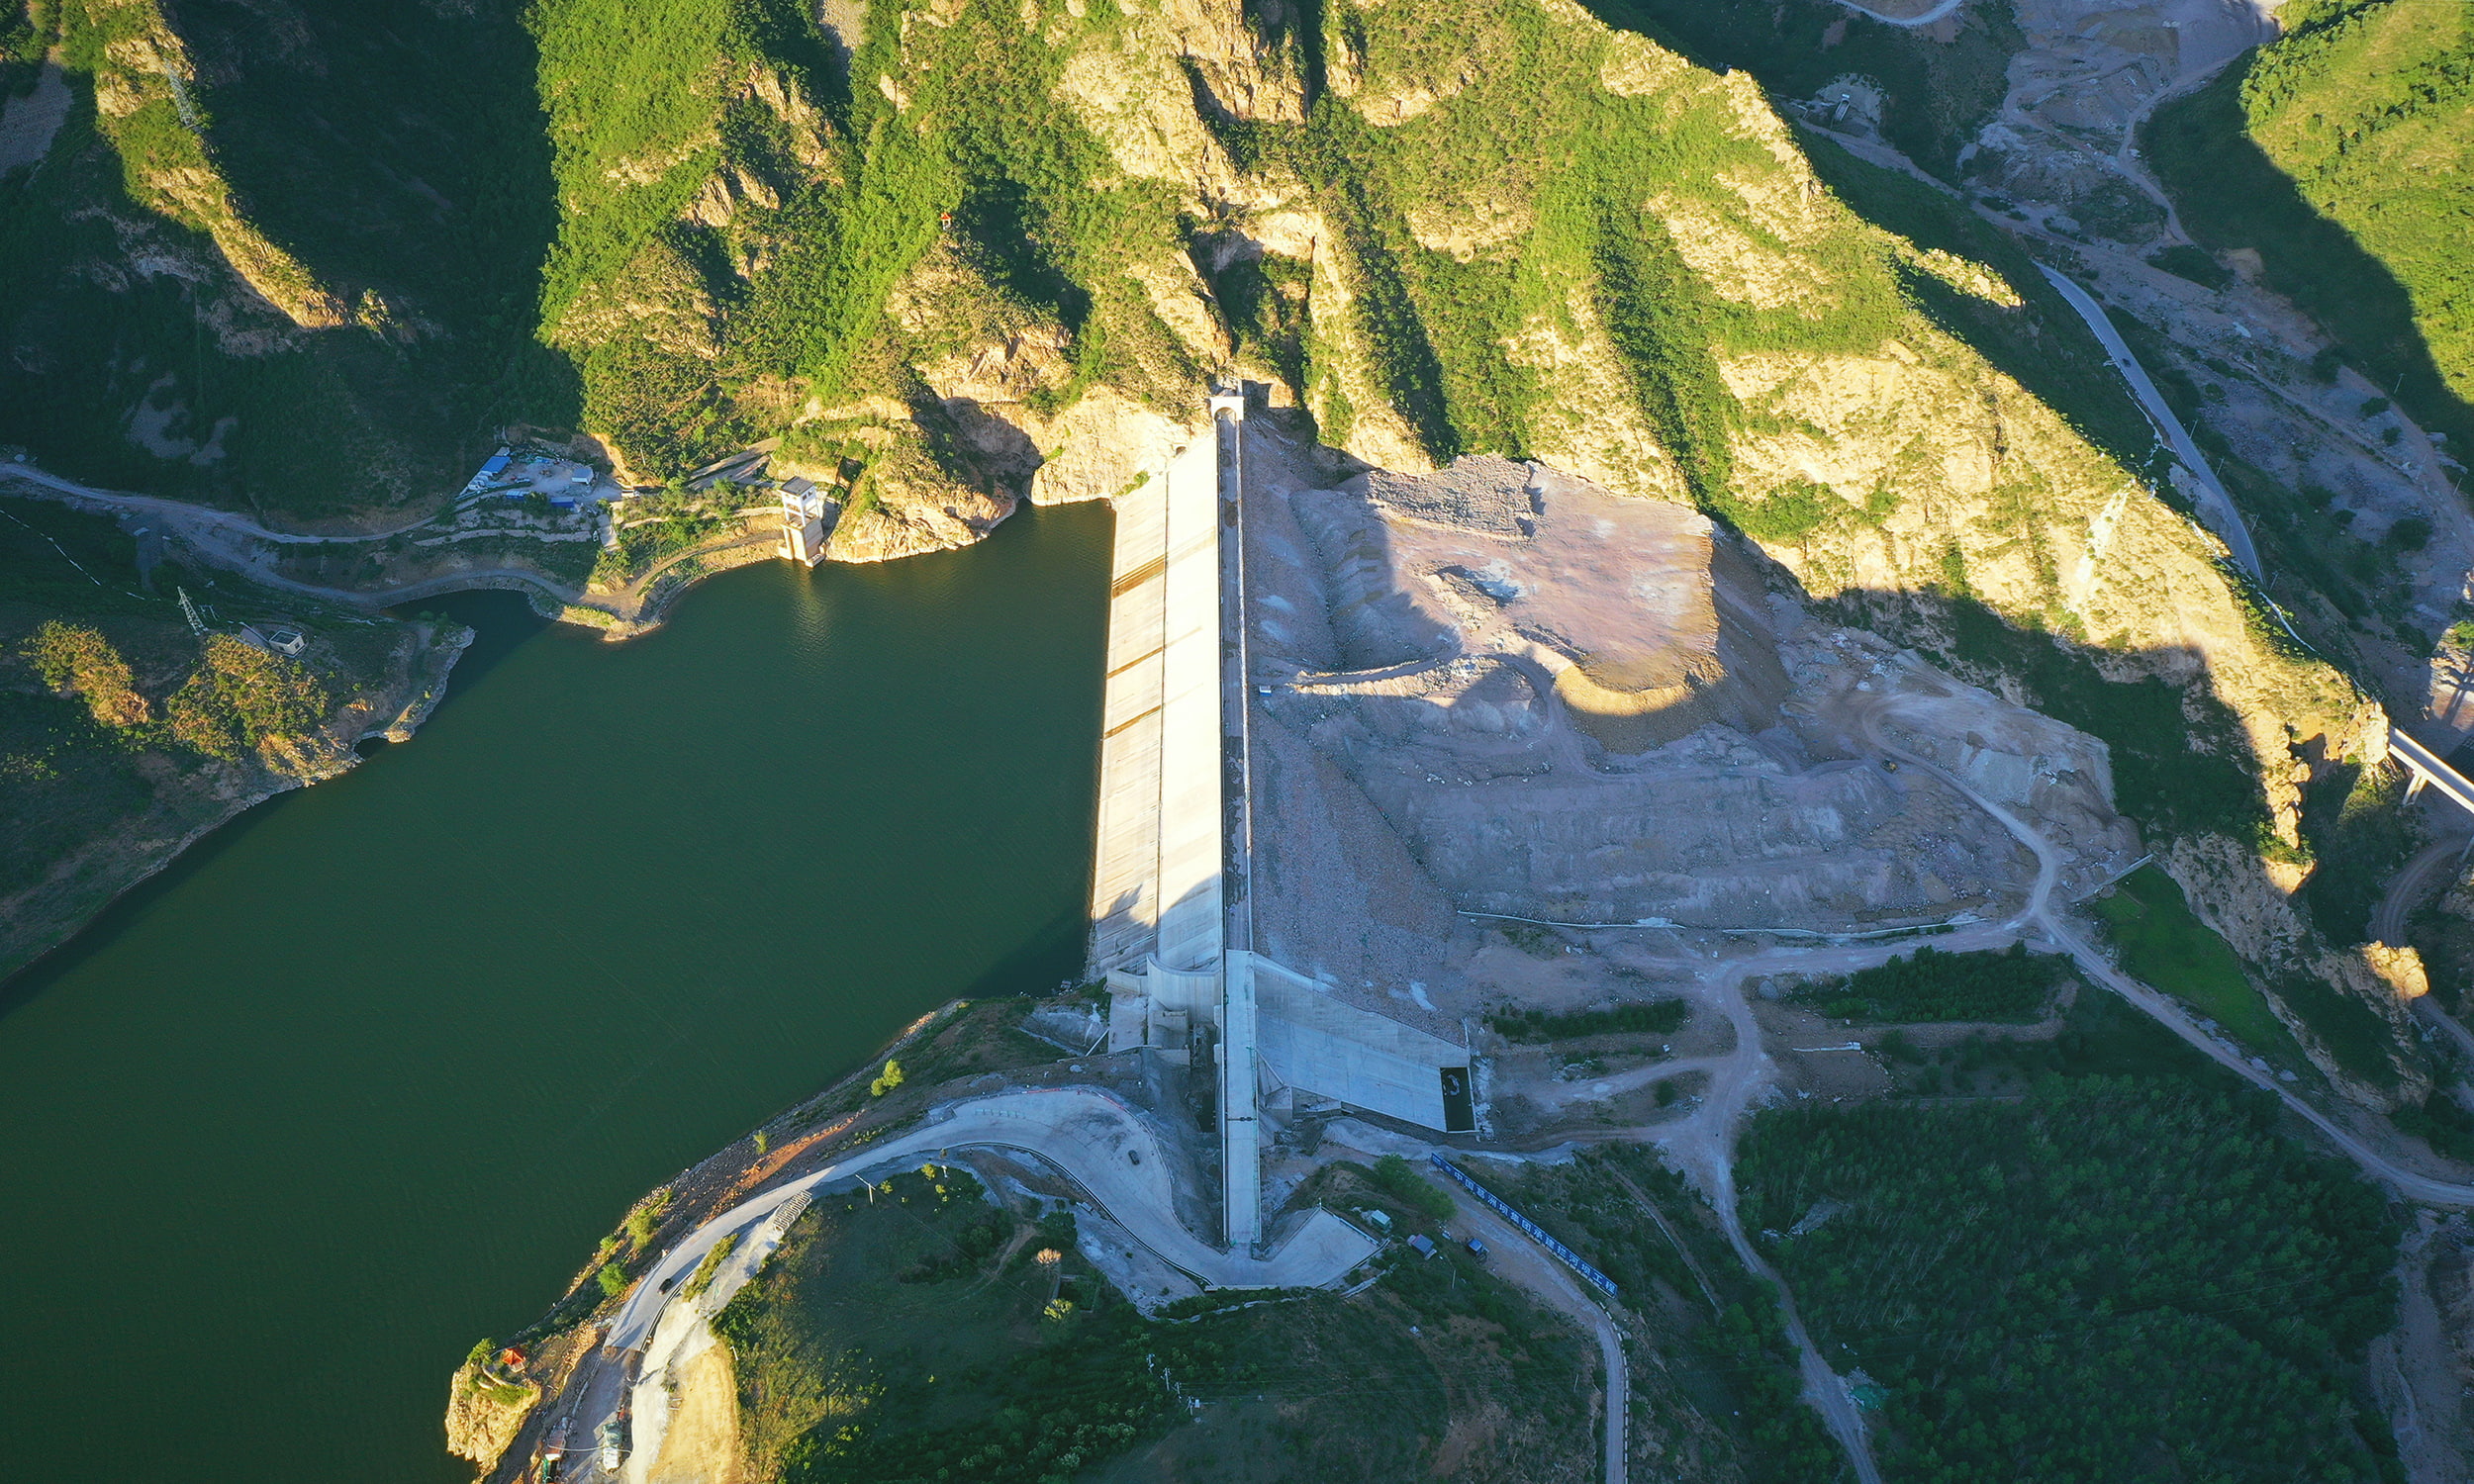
(1559, 703)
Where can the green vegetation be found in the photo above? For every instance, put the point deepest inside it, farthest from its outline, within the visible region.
(886, 1080)
(119, 727)
(703, 1277)
(2163, 944)
(646, 1217)
(2178, 753)
(382, 189)
(1720, 1348)
(2362, 1043)
(2314, 563)
(2339, 153)
(80, 662)
(1930, 984)
(1937, 94)
(1658, 1017)
(652, 528)
(484, 1379)
(241, 696)
(975, 1037)
(977, 171)
(2356, 826)
(1400, 1180)
(2102, 1035)
(932, 1332)
(611, 1278)
(2112, 1273)
(237, 698)
(2438, 1121)
(2194, 263)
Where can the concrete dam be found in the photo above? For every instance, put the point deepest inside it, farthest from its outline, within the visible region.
(1174, 888)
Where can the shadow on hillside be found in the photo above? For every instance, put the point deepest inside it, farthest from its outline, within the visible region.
(410, 160)
(2232, 195)
(1948, 94)
(1937, 93)
(2045, 348)
(2183, 769)
(2181, 762)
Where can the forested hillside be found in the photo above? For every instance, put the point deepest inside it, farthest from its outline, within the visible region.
(124, 734)
(2117, 1277)
(2342, 155)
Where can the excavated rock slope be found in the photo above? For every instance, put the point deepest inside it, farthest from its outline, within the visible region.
(1420, 755)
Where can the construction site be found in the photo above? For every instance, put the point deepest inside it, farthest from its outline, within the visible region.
(1362, 745)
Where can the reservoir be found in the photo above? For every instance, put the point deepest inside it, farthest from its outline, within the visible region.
(363, 1078)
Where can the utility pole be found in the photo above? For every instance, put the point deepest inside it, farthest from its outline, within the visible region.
(189, 611)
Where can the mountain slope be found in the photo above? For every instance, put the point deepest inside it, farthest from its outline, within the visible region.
(954, 254)
(276, 256)
(2340, 155)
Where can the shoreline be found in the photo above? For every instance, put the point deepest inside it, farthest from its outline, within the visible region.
(631, 613)
(423, 688)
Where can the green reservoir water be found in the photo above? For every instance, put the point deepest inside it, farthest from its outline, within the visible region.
(365, 1077)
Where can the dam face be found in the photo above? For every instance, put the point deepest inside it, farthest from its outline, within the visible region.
(1156, 881)
(1172, 929)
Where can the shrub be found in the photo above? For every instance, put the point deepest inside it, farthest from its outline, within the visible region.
(2409, 533)
(240, 696)
(1397, 1179)
(1931, 985)
(2196, 264)
(2439, 1122)
(886, 1080)
(613, 1279)
(1657, 1017)
(82, 662)
(704, 1270)
(642, 1220)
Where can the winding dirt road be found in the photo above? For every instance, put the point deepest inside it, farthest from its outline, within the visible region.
(2165, 1011)
(2410, 885)
(227, 539)
(183, 516)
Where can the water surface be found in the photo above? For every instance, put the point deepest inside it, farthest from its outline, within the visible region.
(363, 1078)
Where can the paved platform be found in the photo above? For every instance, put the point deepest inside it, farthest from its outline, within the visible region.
(1317, 1044)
